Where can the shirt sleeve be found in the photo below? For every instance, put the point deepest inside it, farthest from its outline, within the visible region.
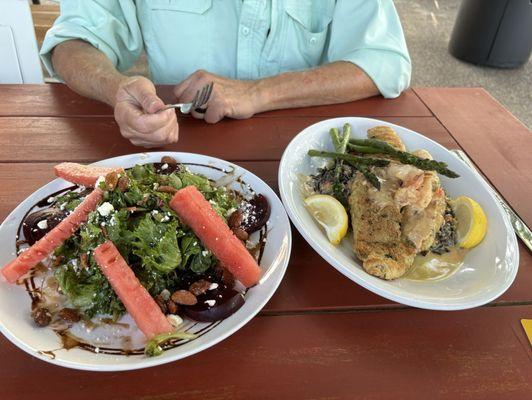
(109, 26)
(368, 33)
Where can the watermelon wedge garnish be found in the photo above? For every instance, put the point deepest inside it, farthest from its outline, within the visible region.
(80, 174)
(138, 302)
(53, 239)
(195, 211)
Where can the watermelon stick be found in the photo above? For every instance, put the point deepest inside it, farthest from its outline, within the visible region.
(53, 239)
(138, 302)
(196, 212)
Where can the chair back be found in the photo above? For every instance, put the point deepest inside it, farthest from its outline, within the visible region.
(19, 55)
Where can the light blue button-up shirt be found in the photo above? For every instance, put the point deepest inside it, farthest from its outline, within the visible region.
(241, 39)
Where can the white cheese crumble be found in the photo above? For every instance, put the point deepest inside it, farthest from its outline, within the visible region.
(164, 166)
(175, 320)
(213, 286)
(99, 180)
(210, 303)
(105, 209)
(50, 199)
(42, 224)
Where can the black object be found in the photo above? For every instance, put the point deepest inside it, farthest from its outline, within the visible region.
(496, 33)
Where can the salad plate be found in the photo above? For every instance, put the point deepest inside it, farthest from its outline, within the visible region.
(94, 353)
(487, 270)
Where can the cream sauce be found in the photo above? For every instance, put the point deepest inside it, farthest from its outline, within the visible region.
(432, 267)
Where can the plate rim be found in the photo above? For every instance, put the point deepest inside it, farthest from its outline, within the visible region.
(276, 278)
(345, 270)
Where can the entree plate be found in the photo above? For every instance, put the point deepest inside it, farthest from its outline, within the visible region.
(15, 303)
(488, 269)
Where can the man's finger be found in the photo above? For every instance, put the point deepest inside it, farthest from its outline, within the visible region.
(143, 91)
(149, 123)
(180, 88)
(143, 143)
(214, 114)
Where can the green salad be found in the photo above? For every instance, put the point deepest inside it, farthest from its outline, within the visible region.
(135, 216)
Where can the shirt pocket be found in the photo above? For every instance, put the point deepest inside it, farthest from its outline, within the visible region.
(307, 30)
(185, 6)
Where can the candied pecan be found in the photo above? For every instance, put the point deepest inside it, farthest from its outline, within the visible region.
(68, 315)
(161, 303)
(235, 219)
(241, 234)
(41, 316)
(227, 277)
(184, 297)
(84, 260)
(123, 183)
(167, 189)
(111, 180)
(58, 261)
(199, 287)
(172, 307)
(168, 160)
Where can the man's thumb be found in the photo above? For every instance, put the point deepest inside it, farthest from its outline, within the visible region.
(145, 94)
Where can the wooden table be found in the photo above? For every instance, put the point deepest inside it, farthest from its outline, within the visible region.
(321, 336)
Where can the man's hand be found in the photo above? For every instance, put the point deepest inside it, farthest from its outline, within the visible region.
(135, 111)
(229, 98)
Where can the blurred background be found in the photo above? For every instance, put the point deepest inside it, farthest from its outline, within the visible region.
(428, 25)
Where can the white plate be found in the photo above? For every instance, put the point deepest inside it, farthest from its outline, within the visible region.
(15, 320)
(488, 270)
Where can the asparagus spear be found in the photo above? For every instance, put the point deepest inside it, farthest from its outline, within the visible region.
(371, 146)
(363, 149)
(340, 142)
(351, 159)
(370, 176)
(335, 137)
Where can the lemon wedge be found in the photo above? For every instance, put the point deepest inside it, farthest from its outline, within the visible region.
(330, 214)
(472, 223)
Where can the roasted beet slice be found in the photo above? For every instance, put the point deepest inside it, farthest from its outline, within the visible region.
(39, 223)
(165, 168)
(255, 213)
(215, 305)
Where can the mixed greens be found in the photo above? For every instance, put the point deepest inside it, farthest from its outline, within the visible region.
(164, 254)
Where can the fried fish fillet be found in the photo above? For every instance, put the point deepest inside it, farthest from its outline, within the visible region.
(377, 232)
(393, 224)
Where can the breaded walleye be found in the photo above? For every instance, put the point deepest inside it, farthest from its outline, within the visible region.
(393, 224)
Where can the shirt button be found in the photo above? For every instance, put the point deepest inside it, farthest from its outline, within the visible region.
(313, 40)
(245, 31)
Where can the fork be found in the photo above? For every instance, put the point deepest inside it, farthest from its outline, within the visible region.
(200, 99)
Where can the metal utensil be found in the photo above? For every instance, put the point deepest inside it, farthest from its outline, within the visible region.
(520, 228)
(200, 99)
